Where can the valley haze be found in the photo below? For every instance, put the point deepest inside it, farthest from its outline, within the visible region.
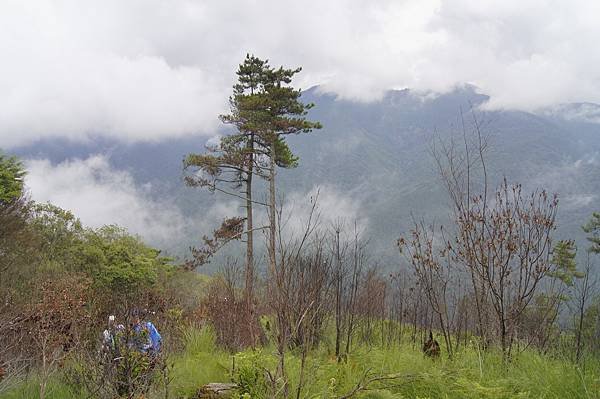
(371, 161)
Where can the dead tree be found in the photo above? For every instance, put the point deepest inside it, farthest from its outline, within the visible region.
(359, 259)
(503, 239)
(225, 305)
(584, 291)
(371, 304)
(297, 317)
(55, 322)
(509, 244)
(339, 277)
(433, 271)
(400, 302)
(462, 167)
(310, 289)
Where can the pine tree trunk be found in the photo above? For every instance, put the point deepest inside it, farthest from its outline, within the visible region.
(272, 212)
(250, 244)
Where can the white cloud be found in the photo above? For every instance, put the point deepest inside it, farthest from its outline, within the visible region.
(100, 195)
(570, 180)
(148, 70)
(579, 112)
(213, 141)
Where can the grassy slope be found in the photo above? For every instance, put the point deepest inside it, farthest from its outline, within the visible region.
(470, 375)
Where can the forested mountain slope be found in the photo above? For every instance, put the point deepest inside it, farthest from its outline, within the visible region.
(375, 158)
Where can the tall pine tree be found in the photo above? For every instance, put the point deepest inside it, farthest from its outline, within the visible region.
(283, 114)
(264, 108)
(230, 165)
(592, 228)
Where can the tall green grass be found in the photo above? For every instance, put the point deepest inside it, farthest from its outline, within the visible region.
(200, 363)
(30, 389)
(470, 374)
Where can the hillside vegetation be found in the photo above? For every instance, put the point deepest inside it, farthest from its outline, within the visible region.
(397, 370)
(489, 302)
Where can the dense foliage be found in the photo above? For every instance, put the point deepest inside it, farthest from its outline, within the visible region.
(60, 280)
(11, 178)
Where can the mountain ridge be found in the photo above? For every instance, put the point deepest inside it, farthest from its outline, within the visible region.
(377, 154)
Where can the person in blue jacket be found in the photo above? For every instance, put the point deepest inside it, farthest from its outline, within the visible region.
(148, 339)
(155, 338)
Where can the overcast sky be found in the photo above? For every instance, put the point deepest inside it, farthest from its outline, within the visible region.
(149, 70)
(152, 69)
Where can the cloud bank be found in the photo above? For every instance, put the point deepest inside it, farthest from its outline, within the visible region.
(153, 69)
(100, 195)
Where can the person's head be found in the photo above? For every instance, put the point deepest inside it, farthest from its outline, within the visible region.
(136, 316)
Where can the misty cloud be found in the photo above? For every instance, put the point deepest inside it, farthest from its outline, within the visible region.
(100, 195)
(152, 70)
(569, 179)
(585, 112)
(332, 208)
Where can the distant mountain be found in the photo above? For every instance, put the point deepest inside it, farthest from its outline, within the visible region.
(577, 112)
(377, 156)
